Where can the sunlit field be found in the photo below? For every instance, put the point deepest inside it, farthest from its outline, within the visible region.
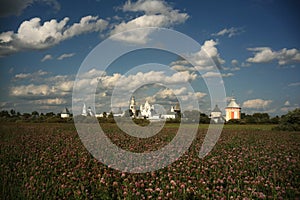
(42, 161)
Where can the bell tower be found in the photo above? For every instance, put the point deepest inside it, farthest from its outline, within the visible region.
(132, 105)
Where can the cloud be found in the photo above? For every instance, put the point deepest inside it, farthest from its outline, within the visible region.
(65, 55)
(266, 54)
(147, 6)
(48, 92)
(169, 93)
(31, 76)
(172, 94)
(294, 84)
(130, 82)
(287, 106)
(216, 74)
(182, 68)
(235, 65)
(44, 89)
(41, 85)
(30, 90)
(31, 35)
(46, 57)
(229, 32)
(245, 64)
(208, 57)
(41, 91)
(15, 7)
(257, 104)
(56, 101)
(157, 13)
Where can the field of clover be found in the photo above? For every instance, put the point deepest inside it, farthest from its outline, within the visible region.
(48, 161)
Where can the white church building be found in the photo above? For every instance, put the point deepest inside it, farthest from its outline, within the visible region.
(216, 115)
(65, 113)
(233, 110)
(148, 111)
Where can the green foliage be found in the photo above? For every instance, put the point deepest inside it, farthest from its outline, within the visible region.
(256, 118)
(192, 115)
(176, 120)
(290, 121)
(204, 119)
(235, 121)
(141, 122)
(195, 116)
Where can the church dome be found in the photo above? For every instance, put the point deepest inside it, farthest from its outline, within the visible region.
(233, 104)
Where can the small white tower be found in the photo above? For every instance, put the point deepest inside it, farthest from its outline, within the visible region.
(65, 113)
(132, 105)
(233, 110)
(146, 110)
(84, 112)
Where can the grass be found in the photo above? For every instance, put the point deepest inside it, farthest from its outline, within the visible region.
(42, 161)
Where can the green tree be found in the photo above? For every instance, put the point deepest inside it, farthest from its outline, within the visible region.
(261, 118)
(275, 120)
(35, 113)
(290, 121)
(4, 113)
(192, 115)
(111, 115)
(26, 115)
(204, 119)
(50, 114)
(12, 112)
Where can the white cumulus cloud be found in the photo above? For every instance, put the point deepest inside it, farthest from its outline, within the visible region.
(230, 32)
(31, 76)
(65, 55)
(266, 54)
(32, 35)
(257, 104)
(46, 57)
(216, 74)
(55, 101)
(206, 59)
(157, 13)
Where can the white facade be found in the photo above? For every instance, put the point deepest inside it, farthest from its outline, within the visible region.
(65, 113)
(118, 114)
(132, 106)
(146, 110)
(84, 112)
(90, 112)
(99, 115)
(87, 112)
(168, 116)
(216, 115)
(233, 110)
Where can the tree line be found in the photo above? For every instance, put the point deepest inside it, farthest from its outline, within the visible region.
(289, 121)
(13, 116)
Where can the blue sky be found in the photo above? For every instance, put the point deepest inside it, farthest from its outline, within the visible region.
(44, 42)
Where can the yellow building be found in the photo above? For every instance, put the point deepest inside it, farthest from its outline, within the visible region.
(233, 110)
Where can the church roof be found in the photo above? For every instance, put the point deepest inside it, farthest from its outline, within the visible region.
(65, 111)
(177, 107)
(233, 104)
(216, 109)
